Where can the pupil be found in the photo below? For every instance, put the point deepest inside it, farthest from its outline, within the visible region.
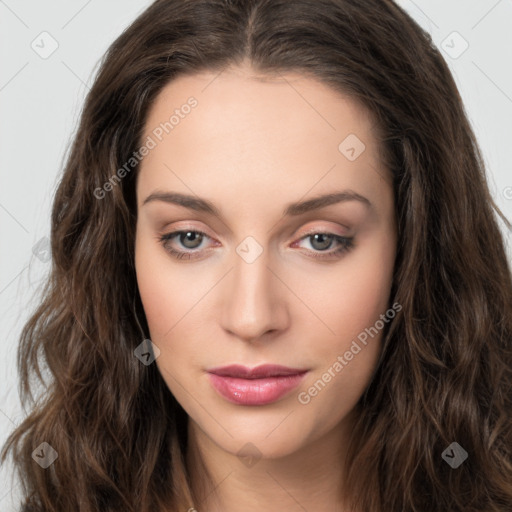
(189, 236)
(325, 237)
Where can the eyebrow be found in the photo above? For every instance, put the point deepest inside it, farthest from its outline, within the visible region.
(292, 209)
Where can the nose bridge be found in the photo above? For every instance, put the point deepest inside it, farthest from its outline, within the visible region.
(253, 302)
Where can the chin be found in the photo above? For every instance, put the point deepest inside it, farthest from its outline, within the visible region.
(264, 436)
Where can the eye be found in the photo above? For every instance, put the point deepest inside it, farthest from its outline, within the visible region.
(189, 239)
(190, 242)
(321, 242)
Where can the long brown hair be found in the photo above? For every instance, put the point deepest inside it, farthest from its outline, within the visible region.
(445, 374)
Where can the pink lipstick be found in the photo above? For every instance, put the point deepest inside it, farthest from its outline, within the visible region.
(255, 386)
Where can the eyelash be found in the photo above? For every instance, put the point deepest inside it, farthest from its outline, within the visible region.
(346, 244)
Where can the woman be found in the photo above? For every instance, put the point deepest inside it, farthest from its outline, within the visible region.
(278, 281)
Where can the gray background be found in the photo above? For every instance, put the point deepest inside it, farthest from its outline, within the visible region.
(41, 97)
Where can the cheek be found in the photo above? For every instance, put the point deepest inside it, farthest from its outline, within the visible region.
(172, 307)
(156, 287)
(349, 296)
(157, 298)
(163, 308)
(351, 304)
(366, 294)
(166, 297)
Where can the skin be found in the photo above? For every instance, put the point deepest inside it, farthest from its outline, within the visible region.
(251, 146)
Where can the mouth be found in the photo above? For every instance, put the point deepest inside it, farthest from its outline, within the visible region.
(261, 385)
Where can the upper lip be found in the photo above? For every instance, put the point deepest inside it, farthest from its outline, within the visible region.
(258, 372)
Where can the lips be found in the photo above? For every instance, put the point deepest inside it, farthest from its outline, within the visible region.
(255, 386)
(259, 372)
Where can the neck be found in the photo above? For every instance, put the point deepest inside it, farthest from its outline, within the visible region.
(310, 478)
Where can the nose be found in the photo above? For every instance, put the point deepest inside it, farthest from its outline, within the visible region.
(254, 307)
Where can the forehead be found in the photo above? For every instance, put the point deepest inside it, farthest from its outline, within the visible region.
(258, 134)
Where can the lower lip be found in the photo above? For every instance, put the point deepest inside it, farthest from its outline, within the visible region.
(255, 391)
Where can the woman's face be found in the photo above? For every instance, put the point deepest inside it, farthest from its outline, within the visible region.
(251, 284)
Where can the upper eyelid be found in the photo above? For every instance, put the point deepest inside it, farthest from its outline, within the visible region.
(314, 229)
(174, 233)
